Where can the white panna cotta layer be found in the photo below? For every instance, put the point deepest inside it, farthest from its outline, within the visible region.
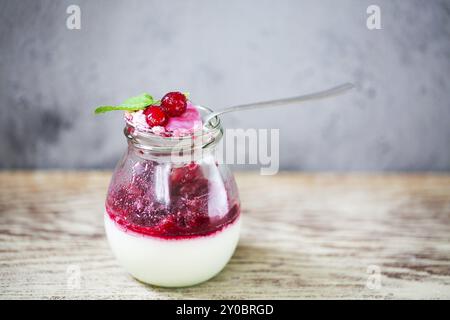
(172, 262)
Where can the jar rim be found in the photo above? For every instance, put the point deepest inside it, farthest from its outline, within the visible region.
(206, 136)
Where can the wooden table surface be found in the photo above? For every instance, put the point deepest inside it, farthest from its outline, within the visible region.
(304, 236)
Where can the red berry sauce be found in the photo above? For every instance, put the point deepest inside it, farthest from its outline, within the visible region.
(187, 215)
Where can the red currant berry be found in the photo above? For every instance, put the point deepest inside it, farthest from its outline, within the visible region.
(155, 116)
(174, 104)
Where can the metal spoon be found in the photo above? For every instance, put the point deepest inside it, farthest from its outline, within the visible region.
(264, 104)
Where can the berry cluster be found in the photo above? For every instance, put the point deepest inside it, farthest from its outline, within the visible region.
(173, 104)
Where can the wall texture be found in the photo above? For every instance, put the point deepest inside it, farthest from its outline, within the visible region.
(225, 53)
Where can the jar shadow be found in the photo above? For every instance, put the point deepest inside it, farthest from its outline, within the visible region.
(253, 272)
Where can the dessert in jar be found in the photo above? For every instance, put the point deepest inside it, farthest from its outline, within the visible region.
(172, 213)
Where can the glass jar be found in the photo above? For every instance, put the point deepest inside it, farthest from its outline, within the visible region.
(172, 211)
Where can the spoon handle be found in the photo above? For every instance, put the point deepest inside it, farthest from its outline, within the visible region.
(272, 103)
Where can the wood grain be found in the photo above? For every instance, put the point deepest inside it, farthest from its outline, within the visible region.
(304, 236)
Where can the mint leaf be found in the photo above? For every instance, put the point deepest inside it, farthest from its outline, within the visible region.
(104, 109)
(139, 101)
(132, 104)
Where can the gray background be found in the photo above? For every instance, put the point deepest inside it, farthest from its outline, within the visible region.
(224, 53)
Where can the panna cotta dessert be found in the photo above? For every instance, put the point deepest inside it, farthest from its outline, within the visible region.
(170, 221)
